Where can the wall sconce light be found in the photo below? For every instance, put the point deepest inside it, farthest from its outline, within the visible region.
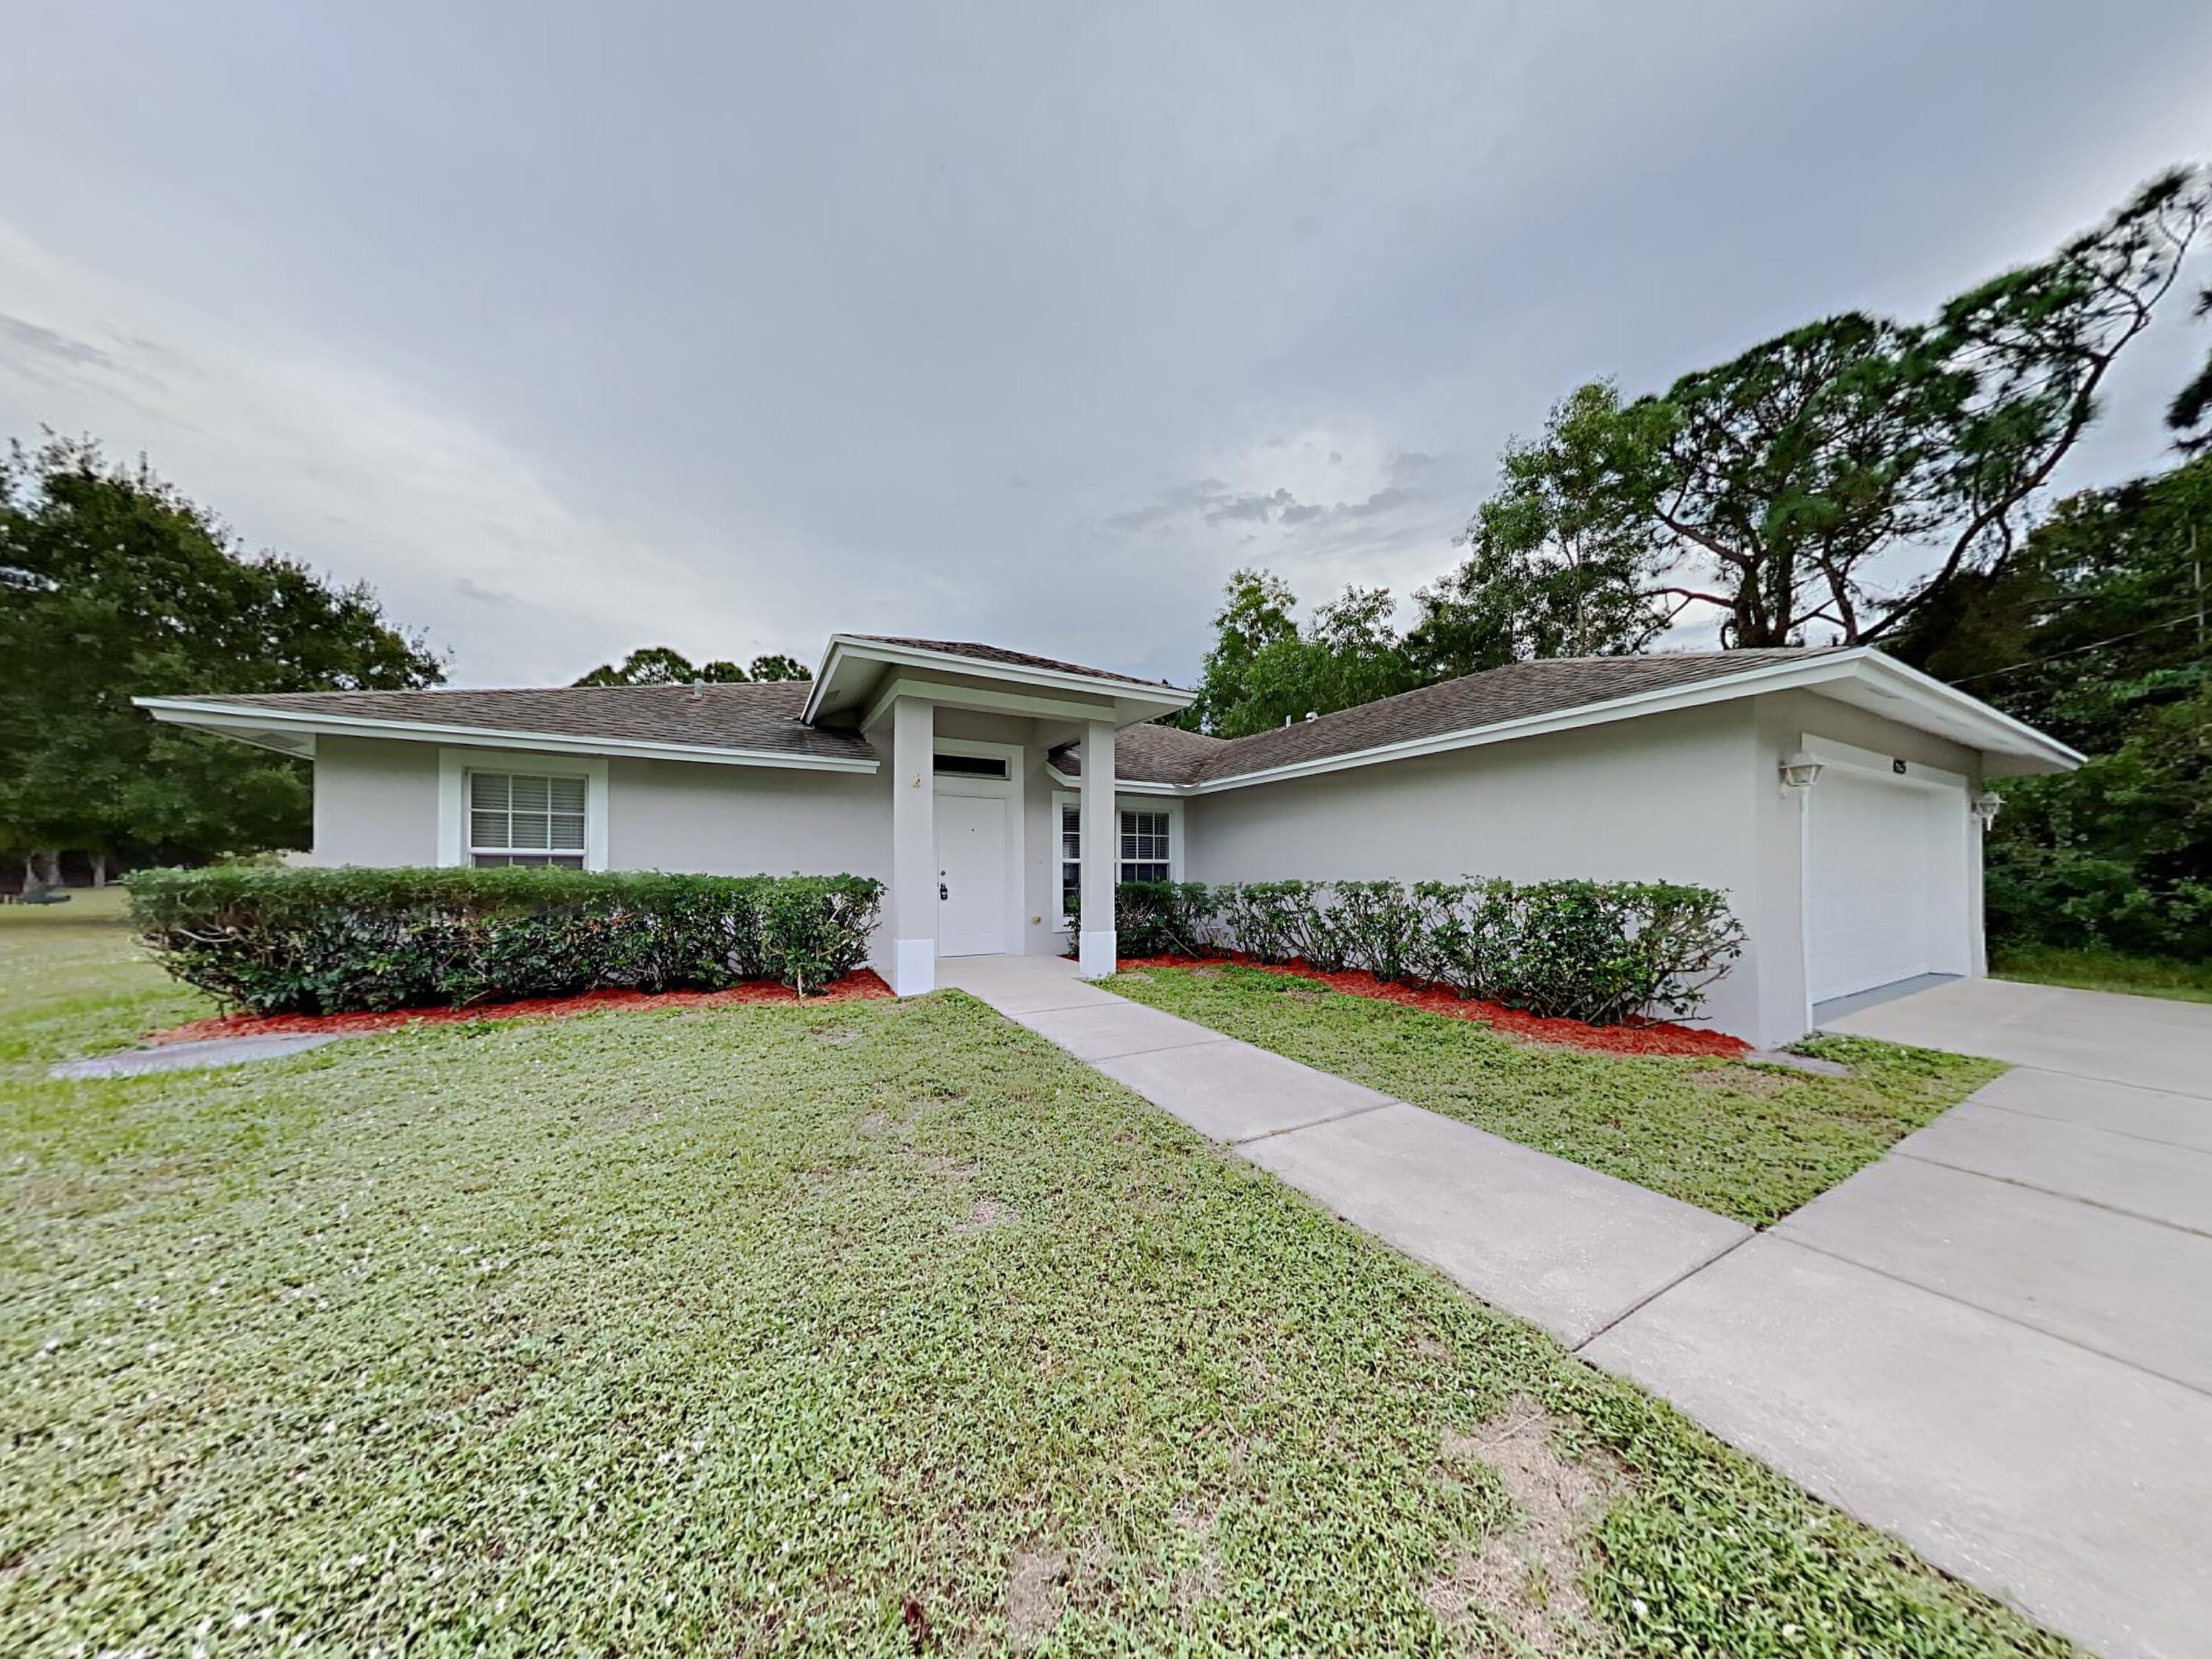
(1801, 771)
(1987, 806)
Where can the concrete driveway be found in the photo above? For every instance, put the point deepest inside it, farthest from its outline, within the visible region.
(1996, 1342)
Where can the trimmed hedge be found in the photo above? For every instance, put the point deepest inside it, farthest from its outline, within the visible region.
(1601, 951)
(356, 941)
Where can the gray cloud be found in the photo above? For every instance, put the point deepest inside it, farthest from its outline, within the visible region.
(754, 344)
(23, 339)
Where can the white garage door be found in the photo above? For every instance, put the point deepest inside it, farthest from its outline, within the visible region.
(1882, 893)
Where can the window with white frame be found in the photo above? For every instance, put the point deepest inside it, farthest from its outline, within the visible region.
(526, 818)
(1144, 846)
(1146, 852)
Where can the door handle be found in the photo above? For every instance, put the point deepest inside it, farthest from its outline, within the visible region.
(941, 893)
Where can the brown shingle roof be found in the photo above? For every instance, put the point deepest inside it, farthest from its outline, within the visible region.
(1153, 754)
(761, 715)
(1520, 690)
(1008, 658)
(764, 716)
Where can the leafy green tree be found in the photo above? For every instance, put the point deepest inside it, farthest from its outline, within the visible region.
(1256, 613)
(1265, 671)
(2190, 414)
(2099, 633)
(1771, 487)
(661, 665)
(777, 667)
(115, 585)
(1559, 564)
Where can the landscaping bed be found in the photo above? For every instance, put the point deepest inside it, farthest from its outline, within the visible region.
(1649, 1037)
(1750, 1141)
(876, 1327)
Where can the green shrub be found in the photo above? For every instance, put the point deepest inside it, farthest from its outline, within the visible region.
(1604, 952)
(1162, 918)
(1380, 926)
(351, 940)
(1279, 921)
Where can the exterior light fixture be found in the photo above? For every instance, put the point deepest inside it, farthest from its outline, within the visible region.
(1801, 771)
(1987, 806)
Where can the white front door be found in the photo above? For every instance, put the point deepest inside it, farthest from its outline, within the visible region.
(971, 875)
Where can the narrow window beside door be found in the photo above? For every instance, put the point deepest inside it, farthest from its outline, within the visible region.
(1146, 853)
(525, 818)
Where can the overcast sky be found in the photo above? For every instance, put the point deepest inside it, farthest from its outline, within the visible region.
(573, 328)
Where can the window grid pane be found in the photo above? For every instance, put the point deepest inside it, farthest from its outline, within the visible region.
(524, 814)
(1145, 855)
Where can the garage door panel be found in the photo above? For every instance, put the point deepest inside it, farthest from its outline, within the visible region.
(1871, 896)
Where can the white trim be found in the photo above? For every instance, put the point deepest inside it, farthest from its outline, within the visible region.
(1829, 752)
(2003, 733)
(1095, 955)
(1061, 922)
(230, 719)
(983, 698)
(1122, 786)
(913, 967)
(911, 656)
(455, 764)
(1007, 789)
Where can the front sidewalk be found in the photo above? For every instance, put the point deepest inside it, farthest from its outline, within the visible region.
(1564, 1247)
(1991, 1343)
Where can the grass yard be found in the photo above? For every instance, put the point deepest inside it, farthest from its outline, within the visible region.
(1754, 1142)
(877, 1328)
(2105, 971)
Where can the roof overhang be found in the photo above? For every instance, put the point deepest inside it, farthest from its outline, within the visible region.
(1862, 677)
(857, 675)
(294, 732)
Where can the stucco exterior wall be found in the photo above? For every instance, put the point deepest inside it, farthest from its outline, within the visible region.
(376, 803)
(1664, 797)
(747, 820)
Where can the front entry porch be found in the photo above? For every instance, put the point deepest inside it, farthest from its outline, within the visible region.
(977, 858)
(960, 830)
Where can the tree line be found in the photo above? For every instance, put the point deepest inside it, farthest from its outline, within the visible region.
(1862, 480)
(115, 585)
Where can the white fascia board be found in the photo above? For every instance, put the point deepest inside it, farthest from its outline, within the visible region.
(230, 719)
(2007, 735)
(1122, 786)
(949, 662)
(1027, 704)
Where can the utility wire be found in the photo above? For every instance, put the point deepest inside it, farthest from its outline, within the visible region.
(2075, 651)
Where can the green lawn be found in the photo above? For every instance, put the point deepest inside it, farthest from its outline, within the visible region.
(2105, 971)
(1751, 1142)
(878, 1327)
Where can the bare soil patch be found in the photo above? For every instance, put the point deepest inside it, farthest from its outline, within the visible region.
(1527, 1579)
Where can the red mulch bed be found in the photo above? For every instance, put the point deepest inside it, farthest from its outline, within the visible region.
(1658, 1037)
(861, 987)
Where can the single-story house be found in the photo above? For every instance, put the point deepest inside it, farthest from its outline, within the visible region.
(1837, 796)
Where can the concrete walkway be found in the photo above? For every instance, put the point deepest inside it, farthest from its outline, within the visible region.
(1996, 1342)
(1564, 1247)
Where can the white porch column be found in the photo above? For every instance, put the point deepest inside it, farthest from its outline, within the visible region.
(1101, 831)
(913, 847)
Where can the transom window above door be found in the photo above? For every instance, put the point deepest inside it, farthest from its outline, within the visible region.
(970, 766)
(526, 818)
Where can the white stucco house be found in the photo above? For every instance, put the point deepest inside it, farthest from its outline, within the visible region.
(1837, 796)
